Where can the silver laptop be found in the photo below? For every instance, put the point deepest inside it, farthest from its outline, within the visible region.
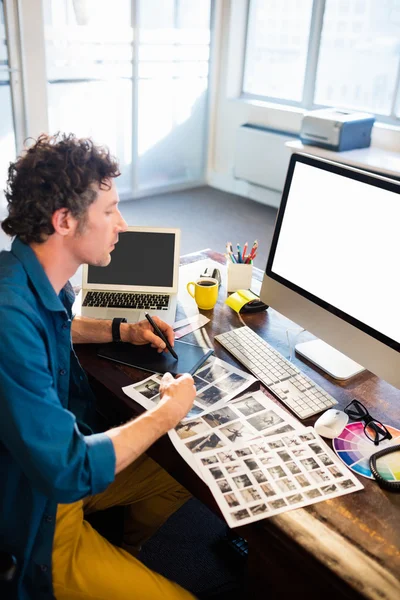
(142, 277)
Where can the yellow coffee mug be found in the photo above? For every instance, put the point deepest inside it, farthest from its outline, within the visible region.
(205, 292)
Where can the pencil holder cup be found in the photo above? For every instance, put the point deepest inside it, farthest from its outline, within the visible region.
(239, 276)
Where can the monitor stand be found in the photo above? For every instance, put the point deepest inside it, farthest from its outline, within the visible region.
(329, 359)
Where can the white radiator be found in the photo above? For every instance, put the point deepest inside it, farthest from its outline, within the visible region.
(261, 156)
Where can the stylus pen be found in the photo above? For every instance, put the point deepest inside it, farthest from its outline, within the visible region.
(161, 335)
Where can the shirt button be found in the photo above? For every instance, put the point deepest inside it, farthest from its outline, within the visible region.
(62, 371)
(65, 325)
(43, 568)
(48, 519)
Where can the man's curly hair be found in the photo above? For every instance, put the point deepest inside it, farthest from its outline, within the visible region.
(56, 172)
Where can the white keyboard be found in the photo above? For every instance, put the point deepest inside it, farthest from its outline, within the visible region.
(302, 395)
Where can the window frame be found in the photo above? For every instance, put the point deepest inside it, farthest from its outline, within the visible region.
(310, 75)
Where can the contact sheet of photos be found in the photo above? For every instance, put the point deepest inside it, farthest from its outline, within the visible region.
(216, 383)
(273, 474)
(225, 427)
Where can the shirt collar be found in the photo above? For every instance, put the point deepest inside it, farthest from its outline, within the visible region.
(37, 275)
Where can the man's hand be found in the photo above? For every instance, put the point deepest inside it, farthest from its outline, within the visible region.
(134, 438)
(177, 396)
(142, 333)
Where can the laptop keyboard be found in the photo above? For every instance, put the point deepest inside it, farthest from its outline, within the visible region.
(127, 300)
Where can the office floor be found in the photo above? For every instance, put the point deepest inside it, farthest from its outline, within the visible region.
(208, 218)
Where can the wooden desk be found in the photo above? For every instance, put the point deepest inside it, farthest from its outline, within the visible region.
(348, 547)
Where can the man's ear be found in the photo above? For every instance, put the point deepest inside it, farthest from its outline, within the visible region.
(63, 222)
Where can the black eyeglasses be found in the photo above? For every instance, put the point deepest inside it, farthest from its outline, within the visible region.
(373, 429)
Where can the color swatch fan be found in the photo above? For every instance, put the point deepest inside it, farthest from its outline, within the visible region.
(354, 449)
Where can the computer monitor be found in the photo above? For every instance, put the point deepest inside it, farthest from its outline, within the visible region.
(333, 264)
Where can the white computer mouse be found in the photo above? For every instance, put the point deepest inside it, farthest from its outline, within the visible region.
(331, 423)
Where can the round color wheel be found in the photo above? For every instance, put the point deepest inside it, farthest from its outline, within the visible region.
(354, 449)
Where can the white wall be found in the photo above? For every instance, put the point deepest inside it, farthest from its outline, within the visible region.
(229, 111)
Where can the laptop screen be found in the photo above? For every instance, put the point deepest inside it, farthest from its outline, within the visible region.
(140, 258)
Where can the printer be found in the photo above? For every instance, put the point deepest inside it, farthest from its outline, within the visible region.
(337, 129)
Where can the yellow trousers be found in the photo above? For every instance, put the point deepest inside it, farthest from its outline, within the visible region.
(86, 565)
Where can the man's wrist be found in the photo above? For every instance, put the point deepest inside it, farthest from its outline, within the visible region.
(124, 332)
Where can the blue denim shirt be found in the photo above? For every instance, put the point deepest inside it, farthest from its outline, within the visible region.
(44, 458)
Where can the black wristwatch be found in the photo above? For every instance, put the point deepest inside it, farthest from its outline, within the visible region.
(116, 334)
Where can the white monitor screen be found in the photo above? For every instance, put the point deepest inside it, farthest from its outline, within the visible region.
(337, 243)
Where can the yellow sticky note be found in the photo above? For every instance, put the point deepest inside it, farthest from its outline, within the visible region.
(237, 300)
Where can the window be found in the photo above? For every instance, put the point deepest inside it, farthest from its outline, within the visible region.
(7, 137)
(134, 76)
(277, 41)
(336, 53)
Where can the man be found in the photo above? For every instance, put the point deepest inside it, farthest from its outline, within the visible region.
(63, 212)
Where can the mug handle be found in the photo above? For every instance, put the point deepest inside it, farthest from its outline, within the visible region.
(188, 287)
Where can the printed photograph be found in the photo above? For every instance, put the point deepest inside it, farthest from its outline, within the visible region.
(193, 412)
(291, 441)
(316, 448)
(149, 388)
(275, 445)
(209, 396)
(295, 499)
(208, 442)
(275, 504)
(276, 472)
(302, 481)
(265, 420)
(329, 489)
(258, 509)
(235, 468)
(231, 383)
(283, 429)
(219, 417)
(199, 383)
(311, 494)
(259, 448)
(224, 485)
(250, 494)
(259, 476)
(249, 406)
(216, 472)
(212, 372)
(231, 500)
(226, 456)
(241, 481)
(284, 456)
(156, 399)
(190, 428)
(319, 476)
(237, 431)
(335, 472)
(309, 464)
(251, 464)
(285, 485)
(243, 452)
(209, 460)
(347, 484)
(325, 459)
(239, 515)
(268, 459)
(293, 468)
(268, 489)
(306, 437)
(299, 452)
